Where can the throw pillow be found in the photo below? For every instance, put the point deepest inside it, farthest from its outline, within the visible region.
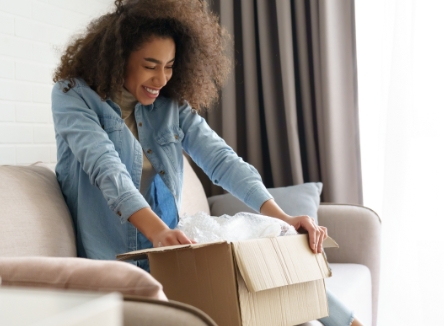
(303, 199)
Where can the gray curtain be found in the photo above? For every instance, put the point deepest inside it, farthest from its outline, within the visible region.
(290, 106)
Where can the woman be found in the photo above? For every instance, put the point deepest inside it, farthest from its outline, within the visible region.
(123, 112)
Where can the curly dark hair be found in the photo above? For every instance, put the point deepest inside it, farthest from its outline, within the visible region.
(100, 55)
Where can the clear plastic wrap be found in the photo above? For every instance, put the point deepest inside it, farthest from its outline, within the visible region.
(243, 226)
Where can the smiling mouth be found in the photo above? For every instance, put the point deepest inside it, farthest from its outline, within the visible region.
(151, 91)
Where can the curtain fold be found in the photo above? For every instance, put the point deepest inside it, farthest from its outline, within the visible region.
(290, 105)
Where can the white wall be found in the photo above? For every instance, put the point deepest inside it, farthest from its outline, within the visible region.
(32, 35)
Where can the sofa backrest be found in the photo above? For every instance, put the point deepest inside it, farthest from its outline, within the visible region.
(193, 195)
(34, 218)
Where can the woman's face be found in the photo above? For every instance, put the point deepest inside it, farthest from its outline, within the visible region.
(149, 69)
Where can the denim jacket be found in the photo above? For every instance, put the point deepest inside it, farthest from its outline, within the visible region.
(100, 165)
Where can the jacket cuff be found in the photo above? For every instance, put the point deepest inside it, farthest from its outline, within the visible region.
(128, 204)
(257, 196)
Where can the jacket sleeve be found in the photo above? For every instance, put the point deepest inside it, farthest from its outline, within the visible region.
(219, 161)
(79, 126)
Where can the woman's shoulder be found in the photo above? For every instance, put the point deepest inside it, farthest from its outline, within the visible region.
(74, 83)
(76, 93)
(76, 87)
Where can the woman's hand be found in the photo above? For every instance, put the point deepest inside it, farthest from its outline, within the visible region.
(155, 230)
(306, 224)
(170, 237)
(316, 234)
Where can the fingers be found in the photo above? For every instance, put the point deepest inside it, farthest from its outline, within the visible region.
(171, 238)
(313, 236)
(316, 234)
(325, 232)
(308, 223)
(318, 238)
(322, 236)
(182, 238)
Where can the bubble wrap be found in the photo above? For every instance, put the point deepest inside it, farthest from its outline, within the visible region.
(243, 226)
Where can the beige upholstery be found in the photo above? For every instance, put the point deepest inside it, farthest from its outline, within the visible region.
(193, 194)
(141, 311)
(79, 274)
(357, 230)
(35, 220)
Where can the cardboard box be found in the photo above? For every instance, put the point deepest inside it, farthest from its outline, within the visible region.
(267, 281)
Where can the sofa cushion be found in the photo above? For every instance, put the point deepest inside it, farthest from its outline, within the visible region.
(296, 200)
(193, 195)
(79, 274)
(35, 220)
(352, 285)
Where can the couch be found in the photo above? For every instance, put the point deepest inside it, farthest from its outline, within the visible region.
(37, 249)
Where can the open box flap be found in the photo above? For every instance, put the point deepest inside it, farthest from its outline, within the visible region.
(274, 262)
(143, 254)
(330, 243)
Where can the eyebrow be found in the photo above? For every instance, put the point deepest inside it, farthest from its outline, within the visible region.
(157, 61)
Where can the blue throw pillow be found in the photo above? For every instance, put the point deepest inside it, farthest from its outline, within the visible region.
(303, 199)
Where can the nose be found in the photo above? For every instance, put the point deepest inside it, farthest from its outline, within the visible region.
(160, 79)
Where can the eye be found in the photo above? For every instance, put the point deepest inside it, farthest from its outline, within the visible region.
(169, 67)
(150, 68)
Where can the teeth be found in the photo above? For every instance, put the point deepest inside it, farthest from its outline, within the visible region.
(152, 91)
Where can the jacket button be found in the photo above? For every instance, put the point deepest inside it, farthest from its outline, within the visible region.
(149, 151)
(176, 136)
(118, 213)
(140, 124)
(162, 172)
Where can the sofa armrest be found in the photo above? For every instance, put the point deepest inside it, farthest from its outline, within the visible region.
(145, 302)
(139, 310)
(357, 230)
(79, 274)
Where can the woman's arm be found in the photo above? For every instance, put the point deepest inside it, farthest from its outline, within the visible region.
(80, 128)
(219, 161)
(316, 234)
(227, 169)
